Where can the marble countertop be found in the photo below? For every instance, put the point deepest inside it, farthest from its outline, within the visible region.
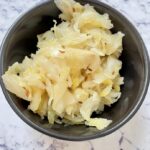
(135, 135)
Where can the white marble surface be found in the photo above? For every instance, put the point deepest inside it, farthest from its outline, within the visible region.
(135, 135)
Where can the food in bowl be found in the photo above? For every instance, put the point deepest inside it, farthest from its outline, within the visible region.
(75, 70)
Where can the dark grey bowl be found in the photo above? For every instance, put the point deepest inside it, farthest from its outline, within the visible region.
(21, 40)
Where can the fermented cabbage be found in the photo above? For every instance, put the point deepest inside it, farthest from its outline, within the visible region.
(75, 70)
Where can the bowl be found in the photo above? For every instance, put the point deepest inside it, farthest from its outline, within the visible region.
(21, 41)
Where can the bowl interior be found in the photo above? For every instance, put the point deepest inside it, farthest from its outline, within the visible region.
(21, 41)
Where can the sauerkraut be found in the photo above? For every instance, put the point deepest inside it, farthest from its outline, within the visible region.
(75, 70)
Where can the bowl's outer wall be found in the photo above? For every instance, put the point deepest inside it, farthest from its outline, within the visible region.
(21, 41)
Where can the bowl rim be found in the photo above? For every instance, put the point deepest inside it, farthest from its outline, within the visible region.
(119, 123)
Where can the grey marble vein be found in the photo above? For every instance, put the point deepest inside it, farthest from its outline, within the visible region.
(91, 145)
(124, 138)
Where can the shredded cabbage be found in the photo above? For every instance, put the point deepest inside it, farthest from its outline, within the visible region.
(75, 70)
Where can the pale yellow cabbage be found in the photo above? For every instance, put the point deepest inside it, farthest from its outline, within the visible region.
(90, 105)
(15, 85)
(89, 19)
(75, 70)
(99, 123)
